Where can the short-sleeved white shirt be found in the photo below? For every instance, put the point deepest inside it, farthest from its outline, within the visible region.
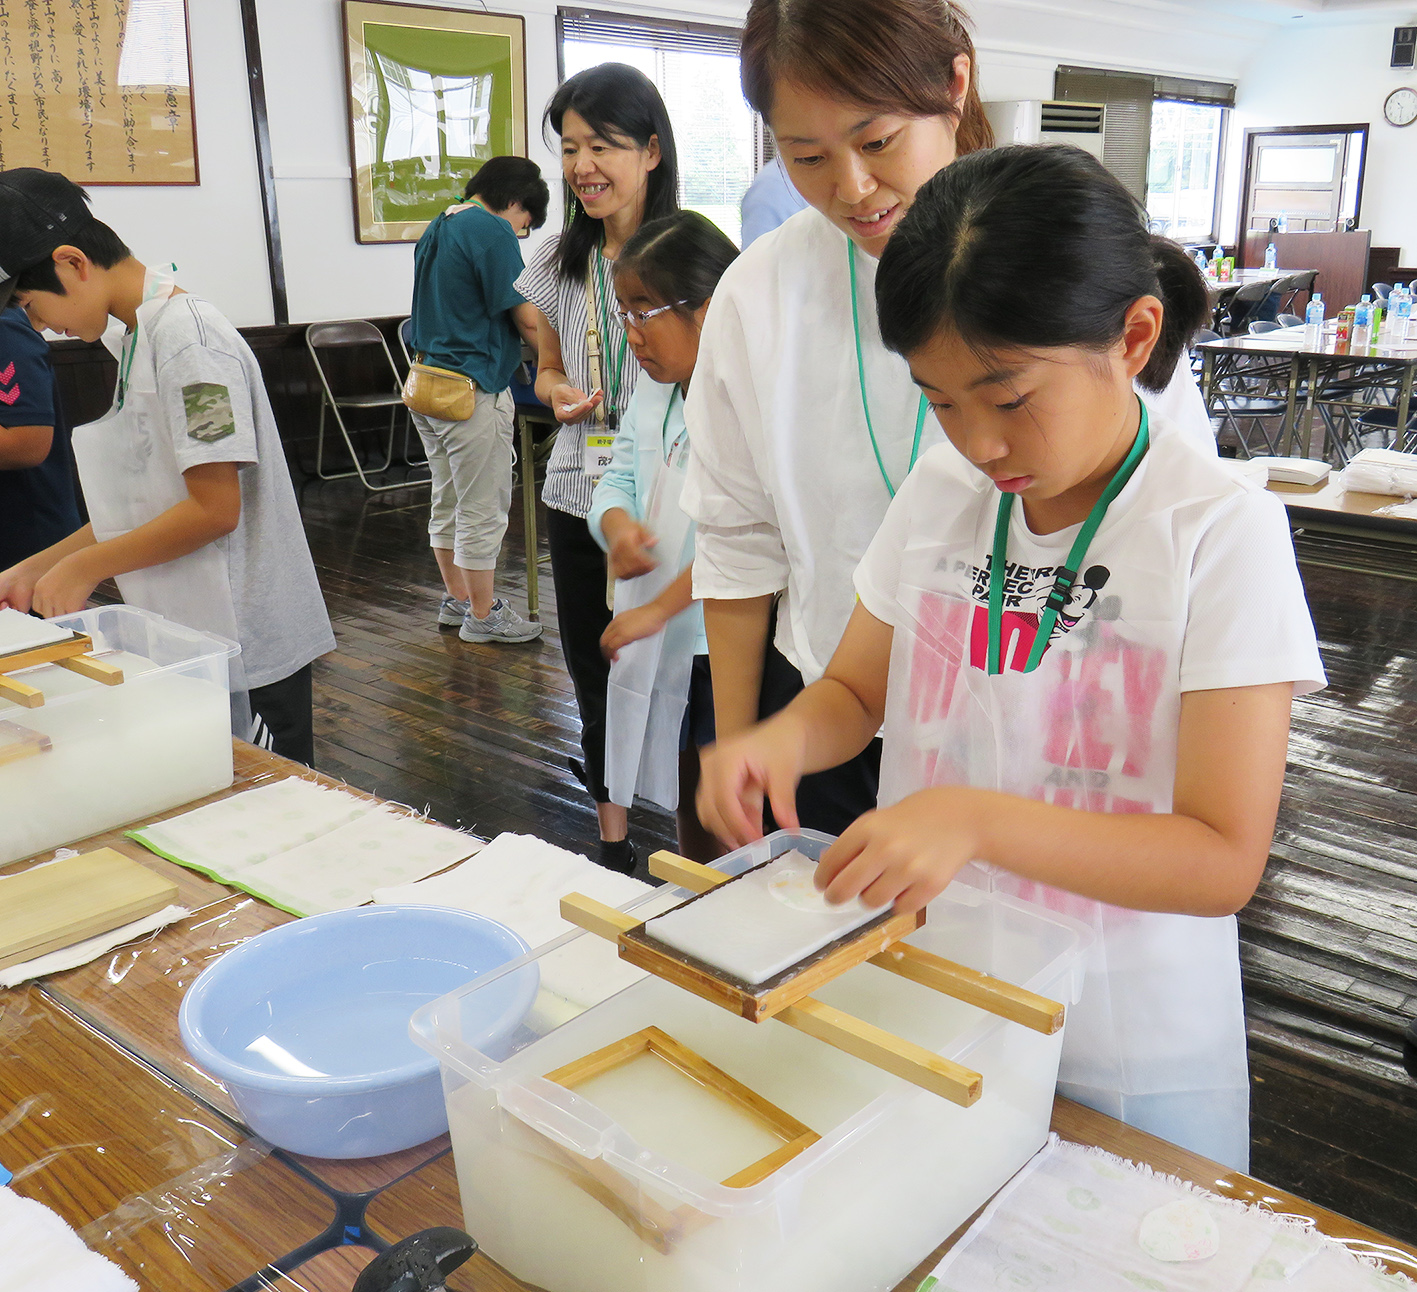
(1189, 584)
(784, 484)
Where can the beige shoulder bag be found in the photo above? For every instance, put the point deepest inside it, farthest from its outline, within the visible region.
(439, 392)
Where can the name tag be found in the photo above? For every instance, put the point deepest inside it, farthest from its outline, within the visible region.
(597, 454)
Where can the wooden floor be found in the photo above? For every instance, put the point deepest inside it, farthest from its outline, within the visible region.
(479, 735)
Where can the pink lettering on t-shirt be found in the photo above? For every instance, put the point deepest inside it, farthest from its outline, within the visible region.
(935, 660)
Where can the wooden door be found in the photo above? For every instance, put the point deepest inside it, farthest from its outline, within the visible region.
(1300, 174)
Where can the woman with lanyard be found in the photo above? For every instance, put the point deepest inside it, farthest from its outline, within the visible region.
(1079, 633)
(620, 168)
(803, 424)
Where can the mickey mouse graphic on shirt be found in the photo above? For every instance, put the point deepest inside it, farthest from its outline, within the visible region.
(1026, 590)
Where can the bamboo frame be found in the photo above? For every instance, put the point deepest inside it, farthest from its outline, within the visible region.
(945, 976)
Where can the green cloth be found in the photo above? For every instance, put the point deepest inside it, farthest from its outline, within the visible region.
(463, 270)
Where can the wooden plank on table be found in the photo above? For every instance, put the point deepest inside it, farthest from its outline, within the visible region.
(49, 907)
(956, 980)
(96, 670)
(26, 696)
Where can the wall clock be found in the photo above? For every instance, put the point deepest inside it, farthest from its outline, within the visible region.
(1401, 107)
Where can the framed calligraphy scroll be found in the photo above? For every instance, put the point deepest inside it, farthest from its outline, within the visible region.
(433, 93)
(98, 90)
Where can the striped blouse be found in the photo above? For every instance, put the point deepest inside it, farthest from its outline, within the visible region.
(563, 300)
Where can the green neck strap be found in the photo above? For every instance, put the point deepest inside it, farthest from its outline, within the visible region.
(668, 449)
(861, 381)
(1067, 575)
(613, 376)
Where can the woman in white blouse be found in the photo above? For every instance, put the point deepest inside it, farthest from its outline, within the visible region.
(620, 168)
(803, 424)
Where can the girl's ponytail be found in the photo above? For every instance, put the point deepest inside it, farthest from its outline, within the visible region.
(1187, 307)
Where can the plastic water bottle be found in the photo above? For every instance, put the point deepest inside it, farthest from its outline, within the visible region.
(1283, 223)
(1401, 314)
(1201, 262)
(1314, 322)
(1363, 323)
(1271, 257)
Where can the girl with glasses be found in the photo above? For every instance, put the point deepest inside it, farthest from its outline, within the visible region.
(660, 704)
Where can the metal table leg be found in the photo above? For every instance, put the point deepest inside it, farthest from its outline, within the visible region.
(1291, 398)
(1308, 433)
(529, 535)
(1404, 403)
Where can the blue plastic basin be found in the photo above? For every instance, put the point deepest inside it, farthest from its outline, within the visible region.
(307, 1024)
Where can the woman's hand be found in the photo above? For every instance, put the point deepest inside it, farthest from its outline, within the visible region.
(737, 775)
(630, 556)
(906, 854)
(572, 405)
(631, 626)
(65, 589)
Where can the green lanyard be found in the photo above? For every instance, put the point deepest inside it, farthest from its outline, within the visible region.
(1067, 576)
(612, 394)
(668, 452)
(125, 366)
(861, 379)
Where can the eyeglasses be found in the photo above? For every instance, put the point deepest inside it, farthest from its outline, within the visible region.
(638, 318)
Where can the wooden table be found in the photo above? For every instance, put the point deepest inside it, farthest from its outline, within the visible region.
(105, 1120)
(1329, 505)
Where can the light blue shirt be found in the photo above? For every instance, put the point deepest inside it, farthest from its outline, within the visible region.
(769, 201)
(651, 432)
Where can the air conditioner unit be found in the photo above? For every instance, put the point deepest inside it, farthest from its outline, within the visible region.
(1049, 121)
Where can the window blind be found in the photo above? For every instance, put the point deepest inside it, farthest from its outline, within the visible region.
(1126, 147)
(601, 28)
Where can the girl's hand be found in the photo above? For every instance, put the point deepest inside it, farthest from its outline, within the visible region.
(629, 551)
(736, 775)
(571, 405)
(64, 589)
(17, 587)
(632, 626)
(906, 854)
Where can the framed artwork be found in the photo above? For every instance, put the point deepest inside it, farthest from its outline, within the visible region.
(98, 90)
(433, 93)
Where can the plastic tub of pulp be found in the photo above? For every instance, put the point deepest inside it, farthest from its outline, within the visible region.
(92, 757)
(306, 1024)
(605, 1189)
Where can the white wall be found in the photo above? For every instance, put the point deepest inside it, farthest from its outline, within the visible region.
(215, 233)
(1326, 72)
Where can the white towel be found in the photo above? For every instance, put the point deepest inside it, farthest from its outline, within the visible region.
(40, 1253)
(90, 948)
(1382, 471)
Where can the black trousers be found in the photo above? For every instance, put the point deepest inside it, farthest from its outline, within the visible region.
(578, 572)
(282, 717)
(831, 800)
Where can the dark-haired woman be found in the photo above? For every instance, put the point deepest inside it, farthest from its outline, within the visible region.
(659, 710)
(620, 169)
(1080, 634)
(804, 424)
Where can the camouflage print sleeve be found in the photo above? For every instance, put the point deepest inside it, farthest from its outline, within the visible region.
(209, 414)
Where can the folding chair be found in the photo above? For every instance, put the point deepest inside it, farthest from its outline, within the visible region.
(530, 413)
(1290, 320)
(324, 340)
(1297, 285)
(1260, 326)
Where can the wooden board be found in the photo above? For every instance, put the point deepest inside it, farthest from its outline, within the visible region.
(759, 1001)
(50, 907)
(970, 985)
(33, 656)
(874, 1045)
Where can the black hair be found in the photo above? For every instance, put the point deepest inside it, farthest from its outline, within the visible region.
(500, 181)
(94, 238)
(622, 106)
(678, 258)
(1030, 246)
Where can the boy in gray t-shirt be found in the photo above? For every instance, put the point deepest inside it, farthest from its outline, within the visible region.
(190, 502)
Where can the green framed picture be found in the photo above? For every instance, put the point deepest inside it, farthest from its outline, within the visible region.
(433, 93)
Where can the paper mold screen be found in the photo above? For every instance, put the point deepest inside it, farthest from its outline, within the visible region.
(757, 926)
(25, 632)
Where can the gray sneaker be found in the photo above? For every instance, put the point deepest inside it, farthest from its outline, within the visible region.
(452, 612)
(502, 624)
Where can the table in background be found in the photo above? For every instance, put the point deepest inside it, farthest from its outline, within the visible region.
(108, 1122)
(1326, 366)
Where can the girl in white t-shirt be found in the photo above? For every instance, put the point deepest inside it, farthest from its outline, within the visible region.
(1081, 634)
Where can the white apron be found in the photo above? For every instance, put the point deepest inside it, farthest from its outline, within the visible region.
(648, 689)
(128, 468)
(1158, 1037)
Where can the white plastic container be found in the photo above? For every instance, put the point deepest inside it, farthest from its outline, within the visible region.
(565, 1197)
(115, 753)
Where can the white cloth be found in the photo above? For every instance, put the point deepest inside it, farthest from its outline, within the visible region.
(1077, 1219)
(194, 395)
(43, 1254)
(1382, 471)
(783, 482)
(648, 688)
(305, 848)
(1189, 584)
(90, 948)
